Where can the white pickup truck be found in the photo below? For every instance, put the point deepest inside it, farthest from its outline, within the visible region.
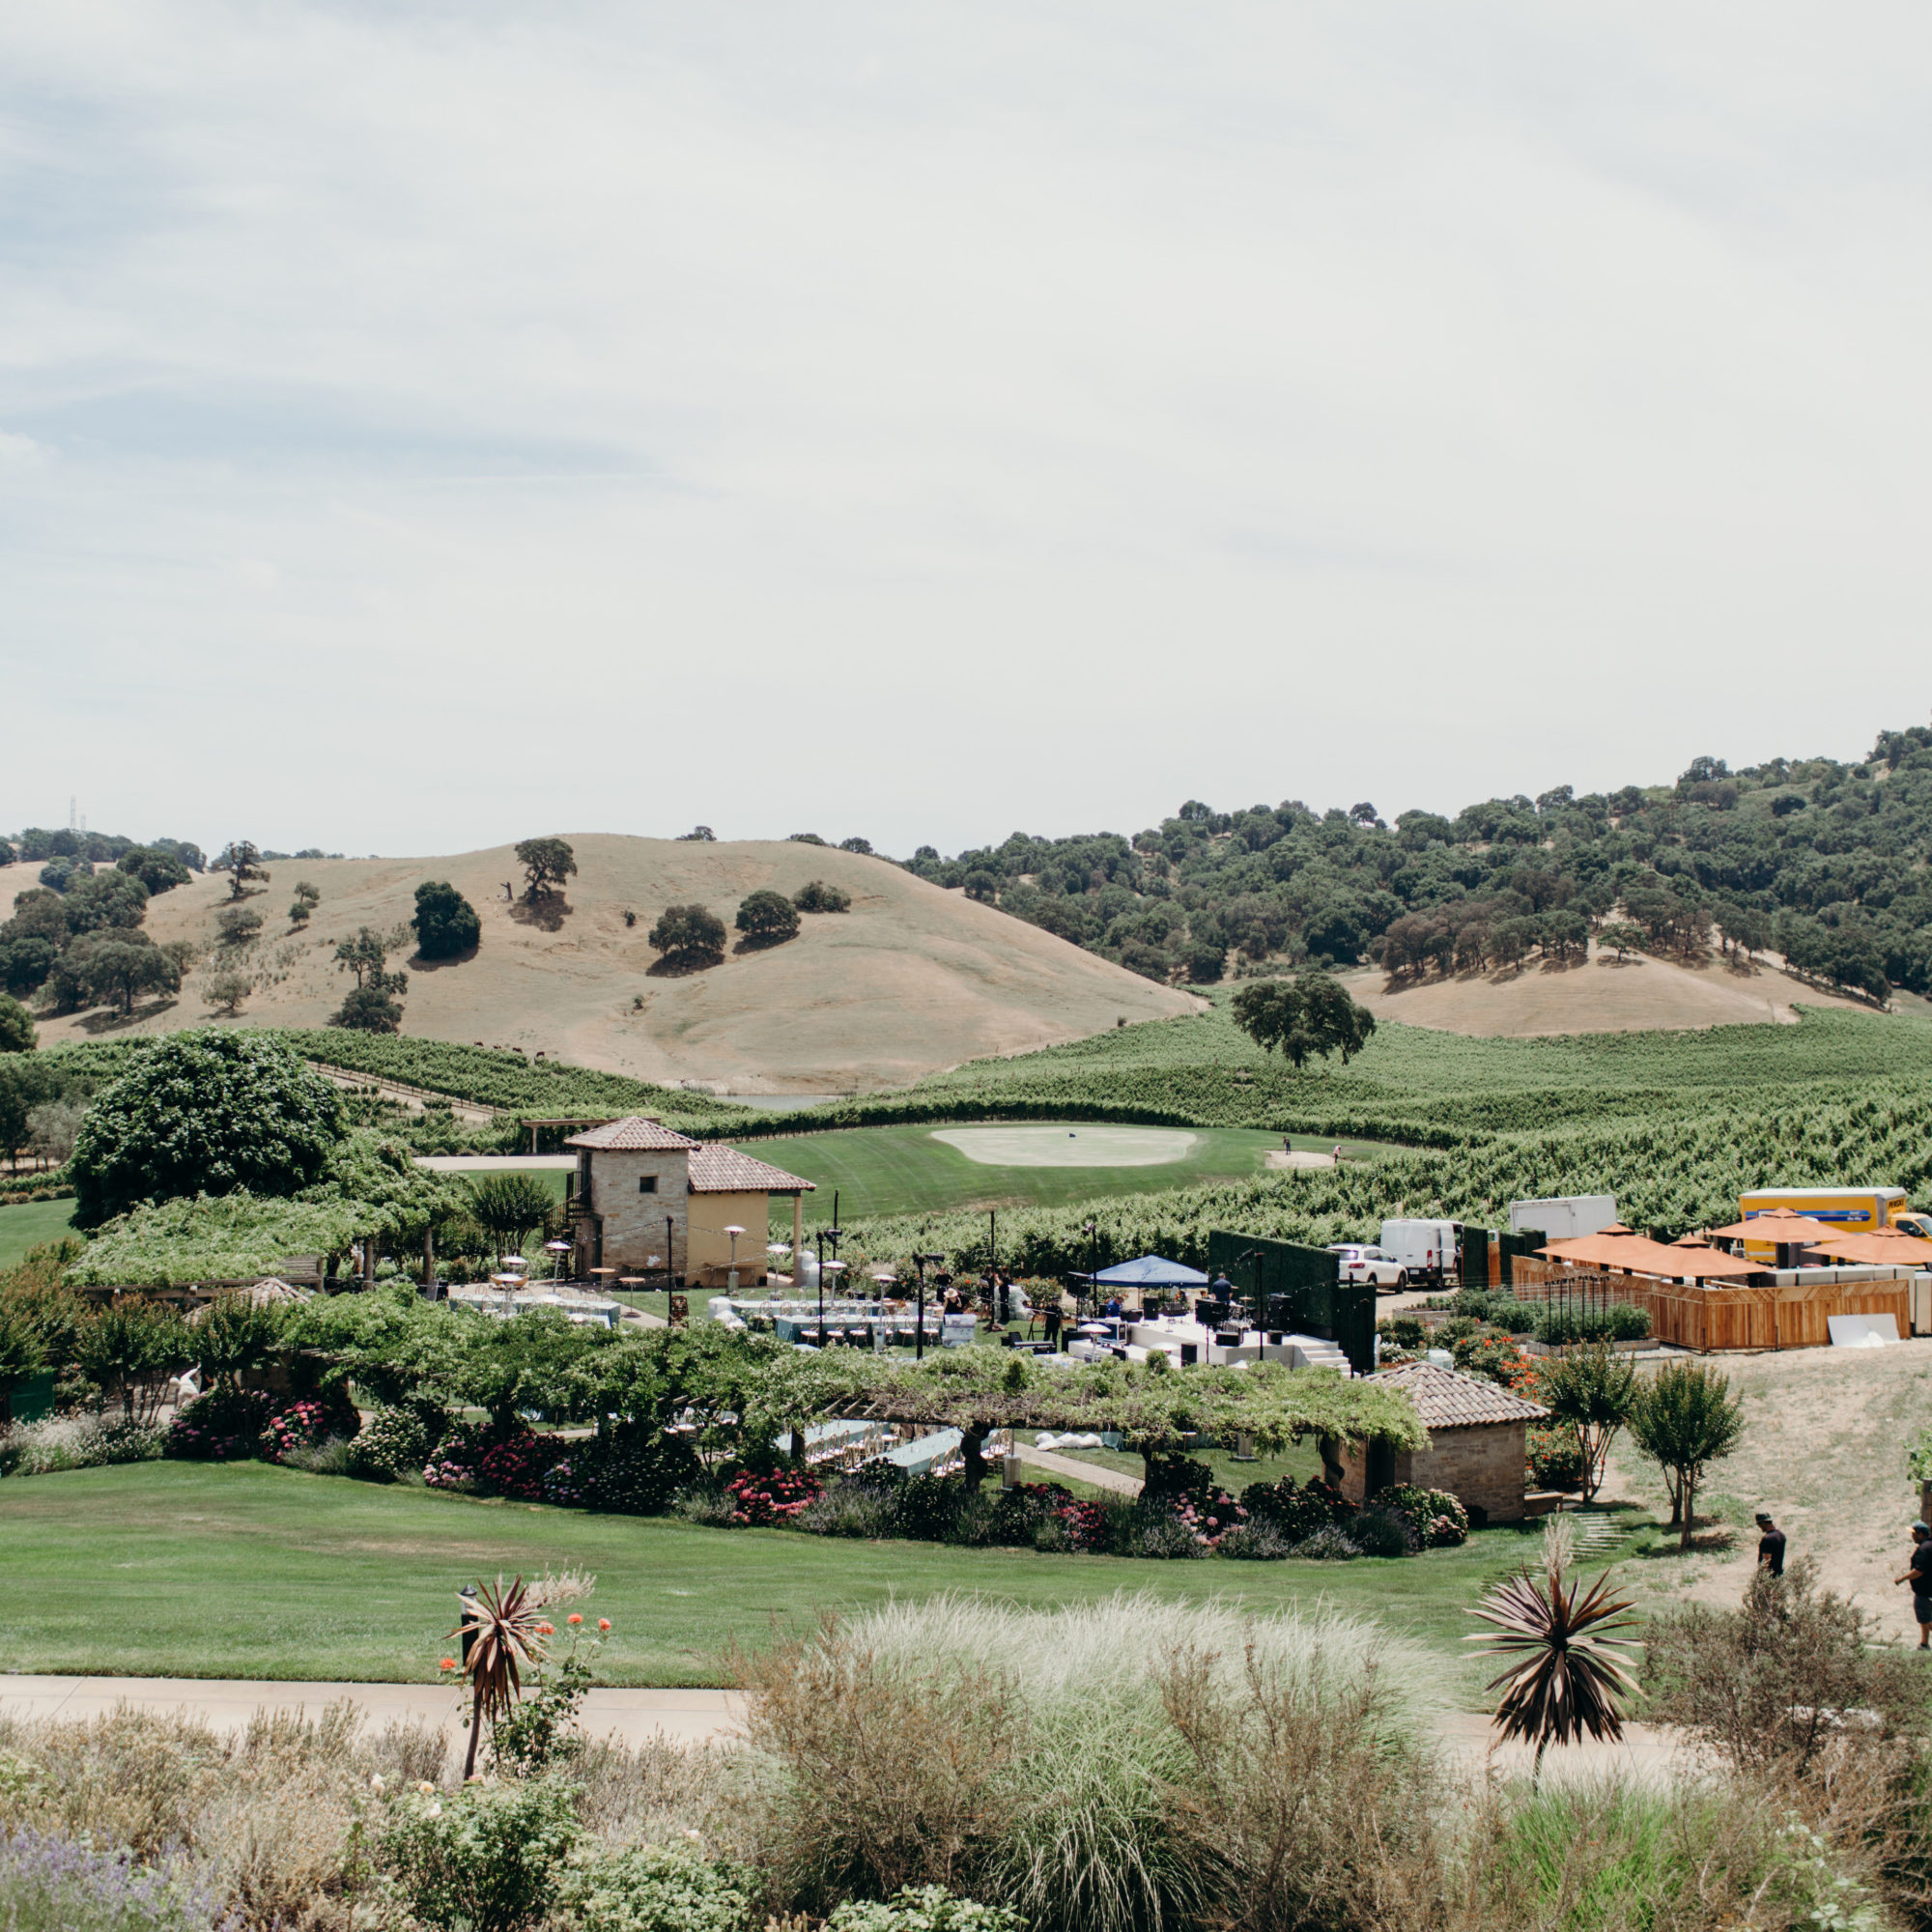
(1361, 1262)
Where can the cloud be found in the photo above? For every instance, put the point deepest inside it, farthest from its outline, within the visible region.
(921, 423)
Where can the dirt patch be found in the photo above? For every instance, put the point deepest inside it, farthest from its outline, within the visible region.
(1824, 1453)
(1600, 994)
(1298, 1158)
(912, 980)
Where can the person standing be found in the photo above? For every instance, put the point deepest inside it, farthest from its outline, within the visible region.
(1918, 1574)
(1770, 1546)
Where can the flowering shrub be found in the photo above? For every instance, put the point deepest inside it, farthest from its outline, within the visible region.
(775, 1497)
(636, 1476)
(397, 1438)
(1555, 1462)
(927, 1908)
(517, 1466)
(50, 1881)
(652, 1889)
(76, 1442)
(1085, 1524)
(225, 1425)
(307, 1425)
(485, 1856)
(1297, 1510)
(1207, 1518)
(1436, 1518)
(1498, 1358)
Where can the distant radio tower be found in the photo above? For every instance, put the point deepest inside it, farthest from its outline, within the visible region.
(71, 822)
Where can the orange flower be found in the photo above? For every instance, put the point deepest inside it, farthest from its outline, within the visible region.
(603, 1623)
(575, 1618)
(545, 1630)
(448, 1663)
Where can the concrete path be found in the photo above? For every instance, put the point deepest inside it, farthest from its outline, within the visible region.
(686, 1716)
(227, 1704)
(1079, 1471)
(497, 1163)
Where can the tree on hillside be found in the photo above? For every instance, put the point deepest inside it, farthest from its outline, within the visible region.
(204, 1113)
(237, 925)
(700, 834)
(115, 965)
(689, 935)
(16, 1026)
(364, 956)
(1622, 938)
(767, 918)
(862, 846)
(982, 886)
(1311, 1013)
(446, 923)
(815, 896)
(158, 871)
(107, 900)
(371, 1005)
(241, 860)
(547, 862)
(305, 901)
(227, 991)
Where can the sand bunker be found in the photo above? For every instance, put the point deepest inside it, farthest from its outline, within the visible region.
(1069, 1146)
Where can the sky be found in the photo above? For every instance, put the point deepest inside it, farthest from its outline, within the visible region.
(426, 425)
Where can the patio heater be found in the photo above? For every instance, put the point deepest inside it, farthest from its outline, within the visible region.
(558, 1249)
(834, 1235)
(1093, 1232)
(882, 1283)
(731, 1281)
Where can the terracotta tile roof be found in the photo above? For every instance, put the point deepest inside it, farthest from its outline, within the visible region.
(636, 1134)
(1448, 1399)
(722, 1170)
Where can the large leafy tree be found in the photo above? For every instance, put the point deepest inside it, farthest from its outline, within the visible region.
(157, 872)
(242, 861)
(204, 1114)
(767, 918)
(547, 862)
(16, 1026)
(510, 1206)
(1309, 1015)
(689, 935)
(126, 1349)
(1594, 1392)
(446, 923)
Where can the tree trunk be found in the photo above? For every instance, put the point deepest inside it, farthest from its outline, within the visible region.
(1690, 1513)
(972, 1450)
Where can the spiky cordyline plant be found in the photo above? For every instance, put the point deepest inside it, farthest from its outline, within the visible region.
(507, 1631)
(1569, 1682)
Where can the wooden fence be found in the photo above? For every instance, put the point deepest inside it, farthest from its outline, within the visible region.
(1725, 1314)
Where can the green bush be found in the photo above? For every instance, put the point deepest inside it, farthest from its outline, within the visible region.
(397, 1441)
(1380, 1531)
(223, 1424)
(1404, 1330)
(651, 1889)
(484, 1858)
(1436, 1518)
(1555, 1462)
(926, 1908)
(77, 1443)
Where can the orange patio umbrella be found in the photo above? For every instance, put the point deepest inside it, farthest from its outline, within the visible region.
(1880, 1249)
(1777, 1230)
(1645, 1256)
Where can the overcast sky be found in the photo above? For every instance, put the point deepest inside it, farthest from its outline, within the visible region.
(427, 425)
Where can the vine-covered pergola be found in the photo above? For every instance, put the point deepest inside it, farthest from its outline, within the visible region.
(1156, 1411)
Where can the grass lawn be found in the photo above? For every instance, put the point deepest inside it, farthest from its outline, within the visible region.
(30, 1224)
(903, 1169)
(195, 1570)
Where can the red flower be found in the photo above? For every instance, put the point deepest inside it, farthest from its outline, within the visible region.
(448, 1663)
(573, 1618)
(603, 1623)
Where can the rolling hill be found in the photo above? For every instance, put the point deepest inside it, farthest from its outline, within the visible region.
(913, 978)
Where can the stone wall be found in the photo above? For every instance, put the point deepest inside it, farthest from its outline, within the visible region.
(634, 1221)
(1482, 1464)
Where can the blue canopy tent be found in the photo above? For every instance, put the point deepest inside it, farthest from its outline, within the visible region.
(1149, 1271)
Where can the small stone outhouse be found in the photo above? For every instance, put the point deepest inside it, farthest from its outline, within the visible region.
(1478, 1442)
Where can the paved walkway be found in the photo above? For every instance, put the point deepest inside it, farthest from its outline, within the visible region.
(689, 1717)
(227, 1703)
(1079, 1471)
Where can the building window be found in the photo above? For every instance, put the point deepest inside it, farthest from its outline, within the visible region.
(647, 1183)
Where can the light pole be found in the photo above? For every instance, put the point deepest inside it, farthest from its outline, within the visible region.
(834, 1235)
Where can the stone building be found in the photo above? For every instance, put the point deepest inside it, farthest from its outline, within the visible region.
(1477, 1442)
(646, 1197)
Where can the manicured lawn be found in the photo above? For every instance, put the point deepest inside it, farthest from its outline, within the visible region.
(192, 1570)
(30, 1224)
(903, 1170)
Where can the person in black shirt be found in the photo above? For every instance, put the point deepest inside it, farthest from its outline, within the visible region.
(1918, 1574)
(1770, 1546)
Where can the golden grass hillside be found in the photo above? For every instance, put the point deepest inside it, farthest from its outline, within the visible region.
(1600, 994)
(911, 980)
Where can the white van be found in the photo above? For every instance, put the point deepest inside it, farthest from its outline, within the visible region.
(1425, 1249)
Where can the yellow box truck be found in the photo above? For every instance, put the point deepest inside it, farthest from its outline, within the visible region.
(1856, 1210)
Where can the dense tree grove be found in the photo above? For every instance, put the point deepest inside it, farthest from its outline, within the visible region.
(1824, 861)
(446, 923)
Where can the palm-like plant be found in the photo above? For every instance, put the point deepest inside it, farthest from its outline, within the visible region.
(506, 1629)
(1568, 1681)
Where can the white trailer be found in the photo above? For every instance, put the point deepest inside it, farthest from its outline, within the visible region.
(1425, 1249)
(1564, 1218)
